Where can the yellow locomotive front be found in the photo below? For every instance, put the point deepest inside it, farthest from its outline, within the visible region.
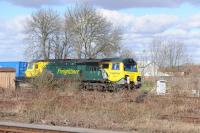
(35, 68)
(122, 71)
(132, 74)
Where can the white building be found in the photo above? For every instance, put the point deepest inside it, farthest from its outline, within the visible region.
(150, 69)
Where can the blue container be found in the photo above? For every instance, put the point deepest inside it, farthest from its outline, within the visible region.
(19, 66)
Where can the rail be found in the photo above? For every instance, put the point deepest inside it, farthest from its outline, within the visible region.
(14, 127)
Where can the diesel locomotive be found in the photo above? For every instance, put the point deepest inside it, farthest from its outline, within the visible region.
(107, 73)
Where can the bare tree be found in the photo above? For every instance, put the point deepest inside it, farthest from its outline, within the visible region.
(42, 29)
(62, 46)
(168, 53)
(127, 53)
(90, 33)
(84, 33)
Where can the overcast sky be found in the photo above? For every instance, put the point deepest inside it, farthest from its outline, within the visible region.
(142, 21)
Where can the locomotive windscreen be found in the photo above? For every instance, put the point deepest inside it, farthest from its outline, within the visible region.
(130, 65)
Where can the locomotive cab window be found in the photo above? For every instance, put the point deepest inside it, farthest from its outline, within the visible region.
(130, 67)
(30, 66)
(105, 66)
(115, 66)
(36, 66)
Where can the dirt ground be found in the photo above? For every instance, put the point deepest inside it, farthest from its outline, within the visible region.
(121, 111)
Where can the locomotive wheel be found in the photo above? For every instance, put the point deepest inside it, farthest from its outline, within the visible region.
(132, 86)
(81, 86)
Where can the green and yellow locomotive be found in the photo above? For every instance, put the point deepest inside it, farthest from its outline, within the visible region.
(93, 73)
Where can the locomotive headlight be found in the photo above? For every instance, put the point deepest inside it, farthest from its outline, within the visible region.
(139, 79)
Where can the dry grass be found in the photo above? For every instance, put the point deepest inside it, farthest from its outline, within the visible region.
(105, 110)
(183, 86)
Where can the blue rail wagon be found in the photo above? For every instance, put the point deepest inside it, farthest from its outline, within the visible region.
(19, 66)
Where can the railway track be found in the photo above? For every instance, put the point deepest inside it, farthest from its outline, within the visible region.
(187, 119)
(13, 127)
(170, 97)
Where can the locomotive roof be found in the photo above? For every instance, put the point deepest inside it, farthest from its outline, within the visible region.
(52, 60)
(125, 60)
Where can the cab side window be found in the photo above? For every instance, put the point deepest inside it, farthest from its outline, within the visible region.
(36, 66)
(115, 66)
(30, 66)
(105, 66)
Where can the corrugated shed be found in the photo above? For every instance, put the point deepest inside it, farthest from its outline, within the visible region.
(7, 78)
